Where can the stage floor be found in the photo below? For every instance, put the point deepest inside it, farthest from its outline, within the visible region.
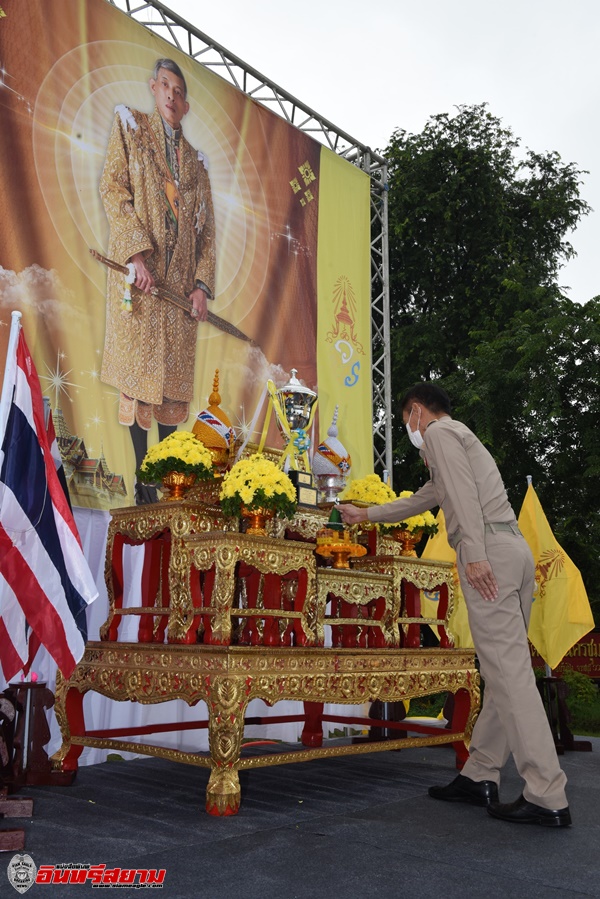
(350, 827)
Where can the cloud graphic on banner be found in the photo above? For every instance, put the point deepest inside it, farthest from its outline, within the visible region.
(253, 369)
(37, 290)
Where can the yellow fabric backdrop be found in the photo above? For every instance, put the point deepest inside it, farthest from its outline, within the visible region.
(343, 310)
(437, 547)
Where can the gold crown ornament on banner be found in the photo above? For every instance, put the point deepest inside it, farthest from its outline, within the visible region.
(213, 428)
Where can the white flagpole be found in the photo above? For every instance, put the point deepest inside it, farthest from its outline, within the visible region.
(9, 372)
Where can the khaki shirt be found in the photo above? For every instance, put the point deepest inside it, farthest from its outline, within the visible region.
(464, 481)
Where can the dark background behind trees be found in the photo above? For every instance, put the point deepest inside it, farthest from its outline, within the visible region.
(478, 235)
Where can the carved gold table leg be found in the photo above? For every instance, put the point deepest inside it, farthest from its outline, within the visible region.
(227, 701)
(182, 609)
(68, 708)
(223, 595)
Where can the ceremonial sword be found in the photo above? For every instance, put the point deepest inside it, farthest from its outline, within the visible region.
(178, 300)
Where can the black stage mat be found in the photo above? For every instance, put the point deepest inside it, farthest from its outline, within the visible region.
(344, 827)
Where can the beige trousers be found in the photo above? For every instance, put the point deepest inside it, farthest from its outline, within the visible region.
(512, 718)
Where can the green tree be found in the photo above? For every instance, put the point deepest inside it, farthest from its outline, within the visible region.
(478, 235)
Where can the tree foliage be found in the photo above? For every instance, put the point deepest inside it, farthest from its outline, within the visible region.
(478, 235)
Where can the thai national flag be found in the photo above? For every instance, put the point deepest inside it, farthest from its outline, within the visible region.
(45, 581)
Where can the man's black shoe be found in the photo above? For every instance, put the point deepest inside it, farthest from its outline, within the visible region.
(463, 789)
(523, 812)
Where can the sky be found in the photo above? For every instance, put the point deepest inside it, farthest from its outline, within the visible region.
(373, 67)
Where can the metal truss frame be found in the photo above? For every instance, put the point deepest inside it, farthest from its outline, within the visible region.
(159, 19)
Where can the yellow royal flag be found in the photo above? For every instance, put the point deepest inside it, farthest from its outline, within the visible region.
(438, 548)
(561, 612)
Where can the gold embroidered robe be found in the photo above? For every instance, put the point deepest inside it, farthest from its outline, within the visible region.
(149, 352)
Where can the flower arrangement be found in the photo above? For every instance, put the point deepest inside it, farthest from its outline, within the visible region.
(425, 522)
(370, 491)
(257, 483)
(182, 452)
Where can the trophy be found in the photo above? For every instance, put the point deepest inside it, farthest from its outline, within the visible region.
(295, 407)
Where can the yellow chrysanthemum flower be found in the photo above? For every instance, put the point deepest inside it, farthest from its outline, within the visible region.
(257, 482)
(370, 489)
(180, 451)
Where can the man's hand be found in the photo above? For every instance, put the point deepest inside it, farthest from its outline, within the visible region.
(481, 577)
(352, 514)
(144, 279)
(199, 309)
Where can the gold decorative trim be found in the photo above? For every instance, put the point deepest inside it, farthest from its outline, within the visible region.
(306, 755)
(269, 556)
(227, 678)
(138, 524)
(425, 574)
(358, 588)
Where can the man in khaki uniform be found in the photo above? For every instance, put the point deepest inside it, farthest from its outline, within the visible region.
(496, 571)
(157, 197)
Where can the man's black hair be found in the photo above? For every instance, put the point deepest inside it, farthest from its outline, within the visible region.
(431, 396)
(171, 66)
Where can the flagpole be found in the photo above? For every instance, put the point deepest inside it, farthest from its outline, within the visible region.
(9, 379)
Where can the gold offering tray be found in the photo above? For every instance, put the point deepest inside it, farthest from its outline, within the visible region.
(336, 545)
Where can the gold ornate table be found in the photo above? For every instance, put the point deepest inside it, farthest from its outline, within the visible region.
(226, 678)
(263, 563)
(365, 606)
(411, 575)
(161, 529)
(206, 587)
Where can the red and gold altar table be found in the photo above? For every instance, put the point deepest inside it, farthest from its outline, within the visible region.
(161, 529)
(201, 578)
(411, 575)
(226, 678)
(228, 617)
(219, 562)
(364, 608)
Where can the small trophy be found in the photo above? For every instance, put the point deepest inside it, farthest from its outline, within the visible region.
(331, 465)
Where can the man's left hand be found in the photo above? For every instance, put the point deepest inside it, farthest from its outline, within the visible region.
(199, 310)
(481, 577)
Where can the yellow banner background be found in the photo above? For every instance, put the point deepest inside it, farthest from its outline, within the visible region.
(344, 308)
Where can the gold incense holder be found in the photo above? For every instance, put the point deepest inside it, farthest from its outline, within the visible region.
(336, 545)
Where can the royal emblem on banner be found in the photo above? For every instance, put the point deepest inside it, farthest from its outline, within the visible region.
(307, 176)
(344, 324)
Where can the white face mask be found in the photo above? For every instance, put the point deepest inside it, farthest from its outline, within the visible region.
(415, 437)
